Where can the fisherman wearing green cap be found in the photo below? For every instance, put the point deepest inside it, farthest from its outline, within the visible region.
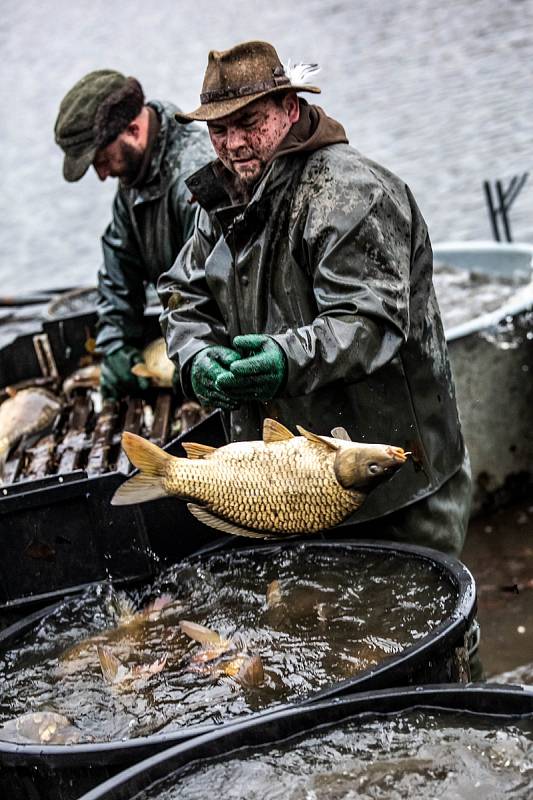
(305, 294)
(104, 121)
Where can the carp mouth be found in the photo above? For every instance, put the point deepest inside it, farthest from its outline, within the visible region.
(397, 456)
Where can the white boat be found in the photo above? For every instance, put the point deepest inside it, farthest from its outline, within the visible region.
(492, 362)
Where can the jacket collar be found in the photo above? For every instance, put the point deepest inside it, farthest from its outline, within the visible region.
(211, 186)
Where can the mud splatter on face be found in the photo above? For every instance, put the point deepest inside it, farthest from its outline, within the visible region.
(246, 140)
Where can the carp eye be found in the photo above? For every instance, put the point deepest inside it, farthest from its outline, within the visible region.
(374, 469)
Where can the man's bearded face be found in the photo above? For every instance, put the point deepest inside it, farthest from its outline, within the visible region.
(120, 159)
(246, 140)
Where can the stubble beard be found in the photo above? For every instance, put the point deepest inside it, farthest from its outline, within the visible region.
(132, 159)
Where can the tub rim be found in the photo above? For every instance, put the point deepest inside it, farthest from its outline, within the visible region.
(431, 697)
(455, 625)
(521, 301)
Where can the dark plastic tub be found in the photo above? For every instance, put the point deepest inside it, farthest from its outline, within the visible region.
(491, 702)
(60, 533)
(64, 772)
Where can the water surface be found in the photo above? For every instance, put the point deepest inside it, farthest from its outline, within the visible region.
(425, 755)
(338, 613)
(438, 92)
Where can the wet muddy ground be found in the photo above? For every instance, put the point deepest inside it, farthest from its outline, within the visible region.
(499, 553)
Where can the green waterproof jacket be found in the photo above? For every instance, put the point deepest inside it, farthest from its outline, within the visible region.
(150, 224)
(332, 259)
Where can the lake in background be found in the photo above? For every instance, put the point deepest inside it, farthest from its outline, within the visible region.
(440, 93)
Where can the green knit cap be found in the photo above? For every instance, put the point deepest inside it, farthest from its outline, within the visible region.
(75, 130)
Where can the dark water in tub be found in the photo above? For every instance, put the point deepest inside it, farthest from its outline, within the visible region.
(421, 754)
(334, 614)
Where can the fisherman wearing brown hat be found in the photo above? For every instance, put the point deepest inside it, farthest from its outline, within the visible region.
(104, 121)
(305, 294)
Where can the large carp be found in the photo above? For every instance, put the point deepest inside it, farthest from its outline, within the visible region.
(26, 411)
(284, 484)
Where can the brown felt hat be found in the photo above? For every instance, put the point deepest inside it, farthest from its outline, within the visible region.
(236, 77)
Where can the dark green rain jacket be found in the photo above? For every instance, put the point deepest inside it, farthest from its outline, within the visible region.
(150, 225)
(332, 259)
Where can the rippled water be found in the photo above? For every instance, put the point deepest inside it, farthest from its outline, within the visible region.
(464, 294)
(438, 92)
(421, 754)
(339, 612)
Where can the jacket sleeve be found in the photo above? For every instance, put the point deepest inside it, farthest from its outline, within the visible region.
(120, 284)
(190, 319)
(356, 242)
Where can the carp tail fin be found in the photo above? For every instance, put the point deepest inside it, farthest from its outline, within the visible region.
(152, 462)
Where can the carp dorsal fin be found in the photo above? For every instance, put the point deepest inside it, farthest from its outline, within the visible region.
(314, 437)
(341, 433)
(274, 431)
(195, 450)
(207, 518)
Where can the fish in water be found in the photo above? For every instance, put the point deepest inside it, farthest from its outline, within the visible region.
(246, 670)
(214, 646)
(25, 412)
(41, 727)
(85, 378)
(128, 621)
(202, 634)
(284, 484)
(273, 594)
(156, 365)
(223, 657)
(125, 613)
(117, 673)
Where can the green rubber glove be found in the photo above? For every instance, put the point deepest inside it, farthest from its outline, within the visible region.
(207, 367)
(116, 378)
(261, 371)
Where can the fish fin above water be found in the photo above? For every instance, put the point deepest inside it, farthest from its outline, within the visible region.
(199, 632)
(109, 663)
(121, 606)
(273, 594)
(195, 450)
(251, 673)
(158, 604)
(221, 524)
(314, 437)
(274, 431)
(341, 433)
(138, 489)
